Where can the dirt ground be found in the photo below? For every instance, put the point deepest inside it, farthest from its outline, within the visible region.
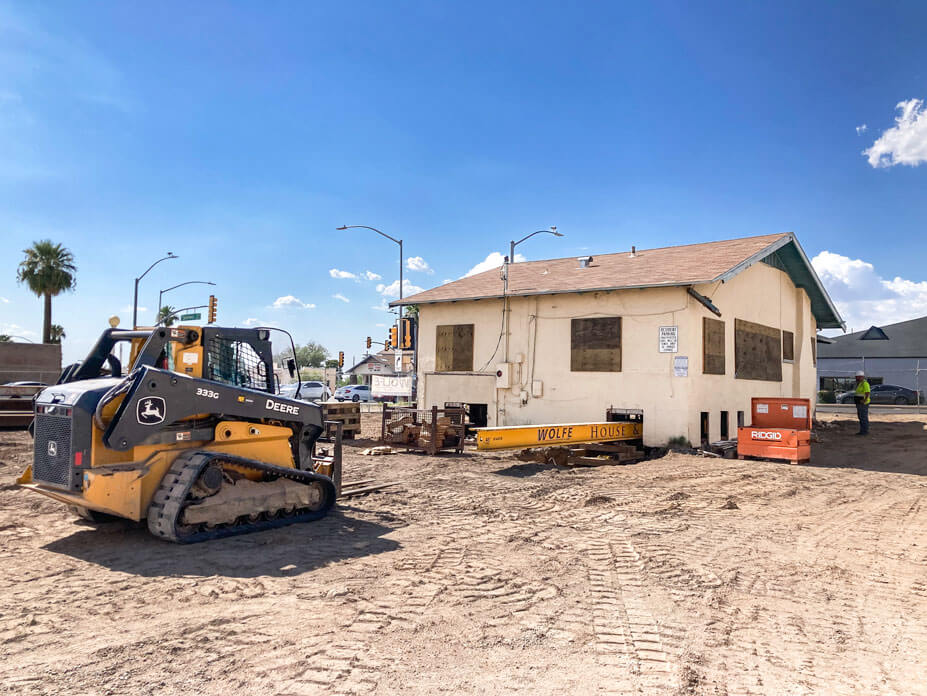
(483, 575)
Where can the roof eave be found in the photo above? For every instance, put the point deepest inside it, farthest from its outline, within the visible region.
(413, 301)
(837, 321)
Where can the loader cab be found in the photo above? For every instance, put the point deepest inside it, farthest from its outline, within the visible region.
(239, 357)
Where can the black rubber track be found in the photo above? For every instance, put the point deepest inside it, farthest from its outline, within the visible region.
(172, 497)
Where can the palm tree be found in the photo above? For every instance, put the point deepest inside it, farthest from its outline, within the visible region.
(166, 315)
(57, 333)
(48, 270)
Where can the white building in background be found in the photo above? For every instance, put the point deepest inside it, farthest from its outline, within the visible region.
(688, 334)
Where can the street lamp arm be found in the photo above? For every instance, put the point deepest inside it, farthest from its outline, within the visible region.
(189, 282)
(528, 236)
(170, 255)
(513, 244)
(366, 227)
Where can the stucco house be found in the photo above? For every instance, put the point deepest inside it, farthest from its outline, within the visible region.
(688, 334)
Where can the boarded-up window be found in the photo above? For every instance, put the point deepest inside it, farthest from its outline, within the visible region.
(757, 351)
(788, 346)
(814, 351)
(454, 348)
(712, 346)
(595, 345)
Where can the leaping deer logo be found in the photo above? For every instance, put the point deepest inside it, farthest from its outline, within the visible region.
(151, 410)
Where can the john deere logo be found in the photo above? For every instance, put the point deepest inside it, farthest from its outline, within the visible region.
(52, 448)
(151, 410)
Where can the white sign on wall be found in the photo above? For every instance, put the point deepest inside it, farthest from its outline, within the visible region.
(397, 361)
(669, 339)
(681, 366)
(391, 386)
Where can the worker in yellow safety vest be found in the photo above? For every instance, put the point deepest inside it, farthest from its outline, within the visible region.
(861, 397)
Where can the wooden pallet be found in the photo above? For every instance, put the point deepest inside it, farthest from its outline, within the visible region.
(348, 413)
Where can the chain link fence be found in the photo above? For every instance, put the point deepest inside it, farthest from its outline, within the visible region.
(894, 382)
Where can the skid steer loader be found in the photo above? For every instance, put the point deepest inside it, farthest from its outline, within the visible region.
(194, 439)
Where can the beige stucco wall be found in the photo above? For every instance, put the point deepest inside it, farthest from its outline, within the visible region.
(539, 347)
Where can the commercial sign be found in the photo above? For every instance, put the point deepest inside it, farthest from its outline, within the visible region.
(391, 386)
(669, 339)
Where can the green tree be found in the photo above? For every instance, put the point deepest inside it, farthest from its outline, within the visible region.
(310, 355)
(331, 363)
(5, 339)
(412, 311)
(48, 270)
(166, 315)
(57, 333)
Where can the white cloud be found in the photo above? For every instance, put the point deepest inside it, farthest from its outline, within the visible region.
(370, 275)
(863, 297)
(494, 260)
(128, 308)
(906, 142)
(339, 296)
(290, 301)
(252, 321)
(417, 263)
(335, 273)
(861, 129)
(15, 330)
(380, 326)
(392, 290)
(4, 300)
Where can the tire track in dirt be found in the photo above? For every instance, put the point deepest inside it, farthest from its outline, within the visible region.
(627, 638)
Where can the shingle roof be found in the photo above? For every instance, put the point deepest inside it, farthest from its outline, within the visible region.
(906, 339)
(691, 264)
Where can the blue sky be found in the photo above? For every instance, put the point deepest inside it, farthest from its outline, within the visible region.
(239, 135)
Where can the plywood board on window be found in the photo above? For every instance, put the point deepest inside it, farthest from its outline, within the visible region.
(757, 351)
(713, 346)
(454, 348)
(595, 344)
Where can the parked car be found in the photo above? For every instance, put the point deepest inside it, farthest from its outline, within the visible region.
(884, 394)
(308, 391)
(353, 392)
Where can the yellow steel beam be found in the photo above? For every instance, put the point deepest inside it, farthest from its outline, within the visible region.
(521, 436)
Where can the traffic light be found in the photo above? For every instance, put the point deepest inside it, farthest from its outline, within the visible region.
(369, 342)
(340, 358)
(406, 331)
(394, 336)
(387, 345)
(211, 316)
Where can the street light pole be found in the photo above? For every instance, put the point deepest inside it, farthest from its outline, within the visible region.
(189, 282)
(506, 311)
(170, 255)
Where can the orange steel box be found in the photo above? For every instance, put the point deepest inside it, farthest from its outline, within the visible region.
(780, 429)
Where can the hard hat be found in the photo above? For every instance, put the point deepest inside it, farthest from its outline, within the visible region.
(860, 373)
